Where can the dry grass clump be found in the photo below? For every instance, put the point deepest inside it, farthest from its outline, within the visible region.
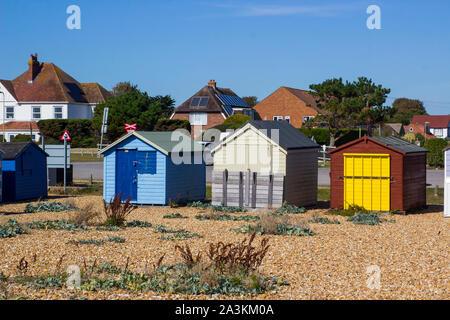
(87, 215)
(116, 211)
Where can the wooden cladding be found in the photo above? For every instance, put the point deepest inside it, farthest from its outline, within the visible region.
(247, 189)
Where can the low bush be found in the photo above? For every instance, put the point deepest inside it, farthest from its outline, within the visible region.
(366, 219)
(139, 224)
(116, 239)
(174, 216)
(351, 211)
(49, 206)
(108, 228)
(175, 234)
(90, 241)
(323, 220)
(276, 225)
(11, 229)
(224, 217)
(288, 209)
(55, 225)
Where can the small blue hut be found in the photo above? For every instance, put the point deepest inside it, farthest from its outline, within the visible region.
(145, 166)
(24, 171)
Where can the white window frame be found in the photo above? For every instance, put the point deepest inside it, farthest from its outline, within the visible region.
(198, 118)
(288, 119)
(33, 113)
(306, 118)
(277, 118)
(8, 113)
(57, 112)
(438, 132)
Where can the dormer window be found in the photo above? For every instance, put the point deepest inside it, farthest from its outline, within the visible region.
(199, 101)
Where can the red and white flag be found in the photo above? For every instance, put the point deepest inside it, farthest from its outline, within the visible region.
(130, 127)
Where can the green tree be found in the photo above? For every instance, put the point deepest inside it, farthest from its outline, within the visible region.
(346, 105)
(251, 100)
(123, 87)
(21, 138)
(133, 106)
(435, 156)
(406, 109)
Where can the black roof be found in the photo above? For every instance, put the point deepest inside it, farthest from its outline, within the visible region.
(289, 137)
(400, 144)
(10, 150)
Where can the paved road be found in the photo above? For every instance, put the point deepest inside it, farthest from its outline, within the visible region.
(82, 171)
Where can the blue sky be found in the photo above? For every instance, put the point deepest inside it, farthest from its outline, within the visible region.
(254, 47)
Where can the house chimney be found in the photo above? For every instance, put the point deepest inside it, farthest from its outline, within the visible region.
(34, 67)
(212, 83)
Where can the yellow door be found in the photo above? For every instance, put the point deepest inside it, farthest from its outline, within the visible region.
(367, 181)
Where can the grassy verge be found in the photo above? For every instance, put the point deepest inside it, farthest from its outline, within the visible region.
(433, 199)
(96, 189)
(85, 158)
(323, 194)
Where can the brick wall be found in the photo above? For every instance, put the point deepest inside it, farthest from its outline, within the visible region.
(283, 103)
(214, 119)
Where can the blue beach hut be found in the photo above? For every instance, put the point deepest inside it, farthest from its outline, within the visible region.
(141, 165)
(24, 171)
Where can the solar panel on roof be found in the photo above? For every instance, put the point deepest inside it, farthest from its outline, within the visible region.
(228, 109)
(203, 102)
(199, 102)
(195, 101)
(232, 101)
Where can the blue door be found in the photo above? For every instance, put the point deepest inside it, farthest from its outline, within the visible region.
(126, 173)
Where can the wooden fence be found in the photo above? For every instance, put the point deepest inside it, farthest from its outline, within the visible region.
(247, 189)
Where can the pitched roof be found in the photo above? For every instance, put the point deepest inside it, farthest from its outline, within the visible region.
(288, 136)
(10, 150)
(52, 84)
(20, 125)
(305, 96)
(95, 93)
(162, 141)
(400, 144)
(397, 127)
(391, 142)
(434, 121)
(9, 86)
(215, 104)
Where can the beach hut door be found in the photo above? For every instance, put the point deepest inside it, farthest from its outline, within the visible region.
(126, 174)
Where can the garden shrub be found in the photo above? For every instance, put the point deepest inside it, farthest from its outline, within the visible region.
(324, 220)
(49, 206)
(223, 217)
(288, 209)
(276, 225)
(176, 215)
(435, 156)
(90, 241)
(55, 225)
(139, 224)
(81, 131)
(11, 229)
(116, 239)
(366, 219)
(172, 125)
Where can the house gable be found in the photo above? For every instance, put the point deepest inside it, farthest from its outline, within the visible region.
(287, 102)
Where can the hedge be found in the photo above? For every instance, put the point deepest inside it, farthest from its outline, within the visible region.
(435, 156)
(80, 130)
(172, 125)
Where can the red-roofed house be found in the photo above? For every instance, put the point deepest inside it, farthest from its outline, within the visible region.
(45, 91)
(293, 105)
(438, 126)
